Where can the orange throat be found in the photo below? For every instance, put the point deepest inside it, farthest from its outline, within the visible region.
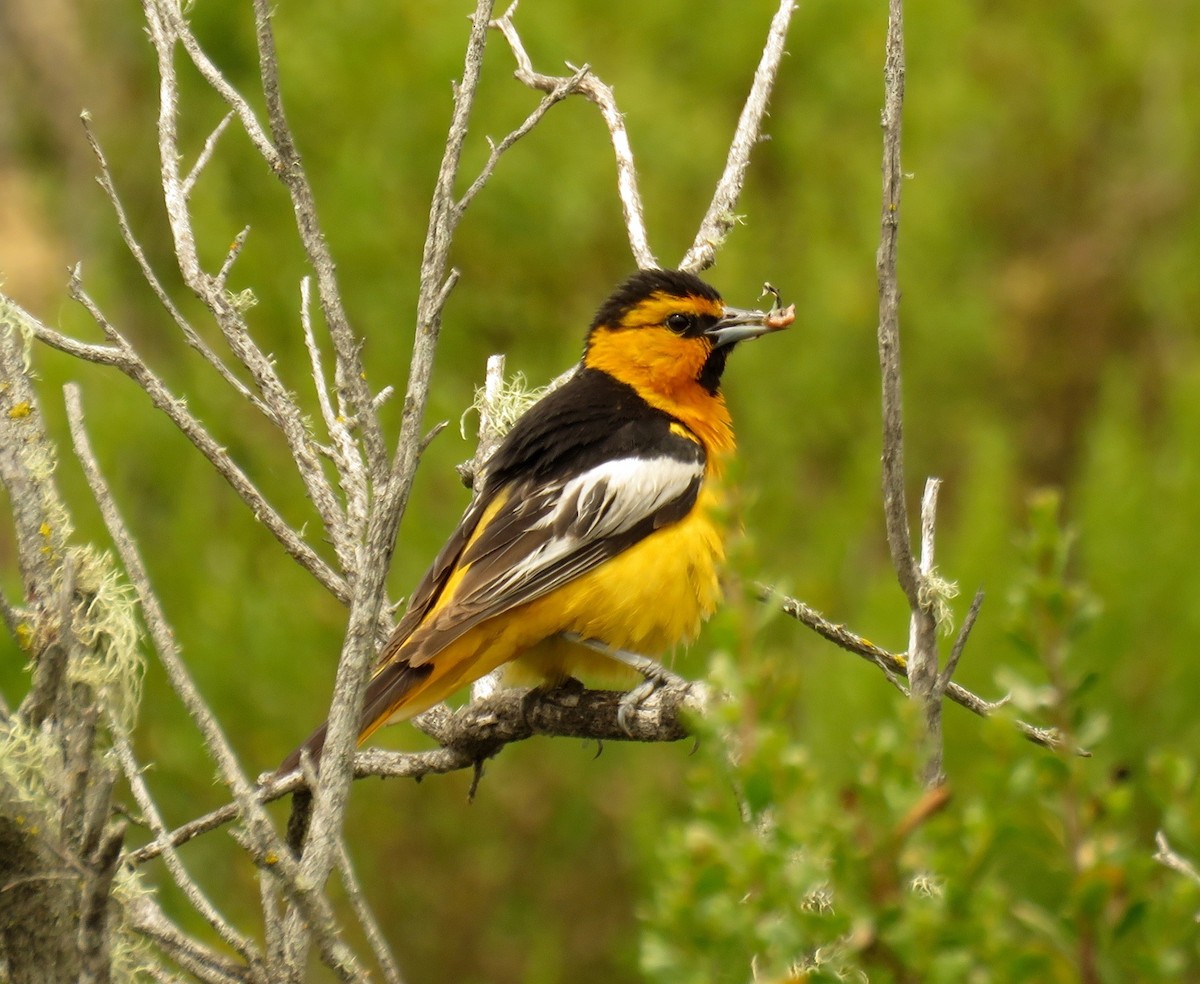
(663, 369)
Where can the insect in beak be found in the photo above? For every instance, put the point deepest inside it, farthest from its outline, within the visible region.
(738, 324)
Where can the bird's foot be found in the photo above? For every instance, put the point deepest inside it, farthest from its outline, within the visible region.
(656, 675)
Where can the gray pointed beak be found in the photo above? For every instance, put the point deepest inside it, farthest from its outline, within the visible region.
(739, 324)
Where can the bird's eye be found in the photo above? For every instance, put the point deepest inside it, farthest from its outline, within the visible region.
(679, 322)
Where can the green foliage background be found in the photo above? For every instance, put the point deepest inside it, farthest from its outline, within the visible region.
(1049, 247)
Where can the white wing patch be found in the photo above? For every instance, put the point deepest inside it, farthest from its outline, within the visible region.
(616, 495)
(596, 506)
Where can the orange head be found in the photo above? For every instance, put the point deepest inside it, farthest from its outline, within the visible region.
(667, 334)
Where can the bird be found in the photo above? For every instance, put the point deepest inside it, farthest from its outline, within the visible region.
(592, 540)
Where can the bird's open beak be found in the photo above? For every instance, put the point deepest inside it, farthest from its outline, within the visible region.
(738, 324)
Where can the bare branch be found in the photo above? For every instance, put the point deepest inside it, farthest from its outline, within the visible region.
(895, 508)
(481, 730)
(602, 96)
(351, 377)
(721, 216)
(913, 578)
(358, 651)
(165, 29)
(264, 843)
(122, 356)
(895, 665)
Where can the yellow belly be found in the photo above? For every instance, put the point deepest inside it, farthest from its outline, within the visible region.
(647, 599)
(653, 596)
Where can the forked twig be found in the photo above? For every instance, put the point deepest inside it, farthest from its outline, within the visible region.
(602, 96)
(895, 665)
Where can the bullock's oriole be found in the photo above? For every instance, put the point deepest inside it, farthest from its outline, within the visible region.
(592, 538)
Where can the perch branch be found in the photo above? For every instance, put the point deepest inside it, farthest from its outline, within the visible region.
(481, 730)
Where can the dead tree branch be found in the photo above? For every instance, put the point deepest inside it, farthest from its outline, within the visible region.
(478, 732)
(895, 665)
(721, 216)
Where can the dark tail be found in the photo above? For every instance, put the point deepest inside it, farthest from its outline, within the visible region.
(385, 693)
(314, 744)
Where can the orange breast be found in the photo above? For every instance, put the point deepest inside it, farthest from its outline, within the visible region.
(663, 367)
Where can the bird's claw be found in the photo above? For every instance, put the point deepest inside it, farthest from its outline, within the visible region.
(656, 675)
(631, 701)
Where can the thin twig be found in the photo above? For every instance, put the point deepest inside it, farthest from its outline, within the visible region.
(602, 96)
(344, 450)
(721, 215)
(366, 918)
(895, 666)
(960, 643)
(206, 153)
(895, 508)
(231, 255)
(267, 847)
(190, 335)
(122, 356)
(561, 90)
(205, 964)
(191, 890)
